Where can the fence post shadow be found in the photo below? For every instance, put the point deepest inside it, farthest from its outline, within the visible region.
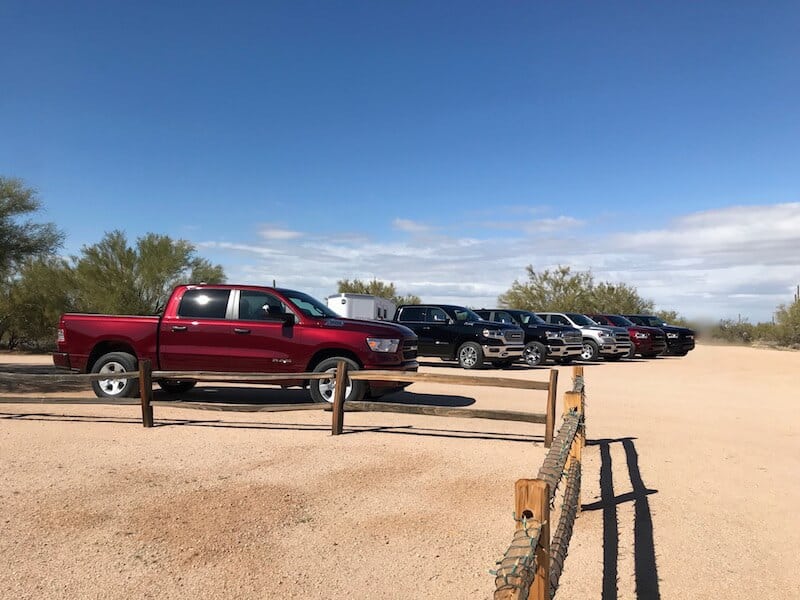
(645, 567)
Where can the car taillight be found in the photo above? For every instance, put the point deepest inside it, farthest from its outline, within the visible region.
(60, 338)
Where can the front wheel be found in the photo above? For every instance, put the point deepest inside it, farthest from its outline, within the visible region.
(534, 354)
(631, 352)
(323, 390)
(470, 356)
(590, 350)
(115, 363)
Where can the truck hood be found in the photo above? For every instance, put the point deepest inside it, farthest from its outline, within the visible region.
(551, 327)
(608, 329)
(376, 328)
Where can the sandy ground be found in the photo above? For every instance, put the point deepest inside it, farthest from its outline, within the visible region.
(690, 490)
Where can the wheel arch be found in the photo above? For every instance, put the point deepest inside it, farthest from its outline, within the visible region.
(107, 346)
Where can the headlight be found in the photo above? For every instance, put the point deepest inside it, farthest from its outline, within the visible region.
(641, 336)
(492, 333)
(383, 344)
(672, 336)
(554, 334)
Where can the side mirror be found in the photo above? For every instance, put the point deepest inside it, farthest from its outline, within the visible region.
(287, 318)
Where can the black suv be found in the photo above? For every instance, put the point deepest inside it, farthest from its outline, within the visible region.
(679, 339)
(542, 340)
(457, 333)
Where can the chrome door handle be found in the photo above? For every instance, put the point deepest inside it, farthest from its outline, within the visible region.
(179, 328)
(241, 331)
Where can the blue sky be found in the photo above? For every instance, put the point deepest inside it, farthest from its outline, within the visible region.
(441, 146)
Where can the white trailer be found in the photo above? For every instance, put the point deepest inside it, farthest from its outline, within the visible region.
(362, 306)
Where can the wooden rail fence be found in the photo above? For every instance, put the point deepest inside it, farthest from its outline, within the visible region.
(531, 567)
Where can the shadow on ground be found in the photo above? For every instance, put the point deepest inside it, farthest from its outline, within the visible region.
(645, 567)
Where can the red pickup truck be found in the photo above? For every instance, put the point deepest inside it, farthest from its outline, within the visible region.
(235, 328)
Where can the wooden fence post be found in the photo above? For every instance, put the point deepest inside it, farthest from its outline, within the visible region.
(337, 424)
(574, 401)
(578, 372)
(532, 501)
(550, 416)
(146, 391)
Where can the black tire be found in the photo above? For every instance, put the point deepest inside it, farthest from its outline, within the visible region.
(535, 353)
(650, 355)
(322, 390)
(590, 350)
(503, 364)
(115, 362)
(631, 353)
(176, 386)
(682, 353)
(470, 356)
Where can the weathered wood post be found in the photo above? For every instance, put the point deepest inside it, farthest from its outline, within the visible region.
(577, 372)
(550, 416)
(532, 501)
(337, 425)
(146, 391)
(574, 402)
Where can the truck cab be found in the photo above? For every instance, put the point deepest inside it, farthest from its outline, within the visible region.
(611, 343)
(457, 333)
(543, 341)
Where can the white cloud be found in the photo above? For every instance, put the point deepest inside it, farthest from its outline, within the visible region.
(739, 260)
(410, 226)
(269, 232)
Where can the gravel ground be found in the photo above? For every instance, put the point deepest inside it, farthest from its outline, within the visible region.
(690, 491)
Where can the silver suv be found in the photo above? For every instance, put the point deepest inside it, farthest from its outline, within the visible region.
(611, 343)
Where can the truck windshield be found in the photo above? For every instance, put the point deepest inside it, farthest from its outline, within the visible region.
(620, 321)
(309, 306)
(465, 314)
(529, 318)
(654, 322)
(581, 320)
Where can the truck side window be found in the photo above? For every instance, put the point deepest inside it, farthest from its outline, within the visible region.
(437, 315)
(204, 304)
(503, 317)
(412, 314)
(258, 306)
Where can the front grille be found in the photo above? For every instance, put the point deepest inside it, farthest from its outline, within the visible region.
(514, 337)
(410, 350)
(622, 337)
(659, 337)
(573, 338)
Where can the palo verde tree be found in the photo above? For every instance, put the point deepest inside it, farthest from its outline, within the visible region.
(21, 240)
(117, 278)
(619, 298)
(560, 289)
(42, 290)
(563, 290)
(376, 288)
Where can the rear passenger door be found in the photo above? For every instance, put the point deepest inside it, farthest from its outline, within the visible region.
(440, 332)
(197, 339)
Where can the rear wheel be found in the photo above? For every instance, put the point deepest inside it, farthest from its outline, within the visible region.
(534, 354)
(176, 386)
(470, 356)
(323, 390)
(115, 363)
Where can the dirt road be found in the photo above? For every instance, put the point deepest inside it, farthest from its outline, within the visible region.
(690, 490)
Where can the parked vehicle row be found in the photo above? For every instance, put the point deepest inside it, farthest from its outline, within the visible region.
(255, 329)
(471, 337)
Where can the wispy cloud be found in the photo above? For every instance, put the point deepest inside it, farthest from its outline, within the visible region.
(269, 232)
(410, 226)
(739, 260)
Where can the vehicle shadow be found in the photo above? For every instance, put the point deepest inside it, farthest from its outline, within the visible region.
(645, 567)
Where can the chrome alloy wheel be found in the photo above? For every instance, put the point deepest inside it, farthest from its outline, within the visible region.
(327, 387)
(113, 387)
(468, 357)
